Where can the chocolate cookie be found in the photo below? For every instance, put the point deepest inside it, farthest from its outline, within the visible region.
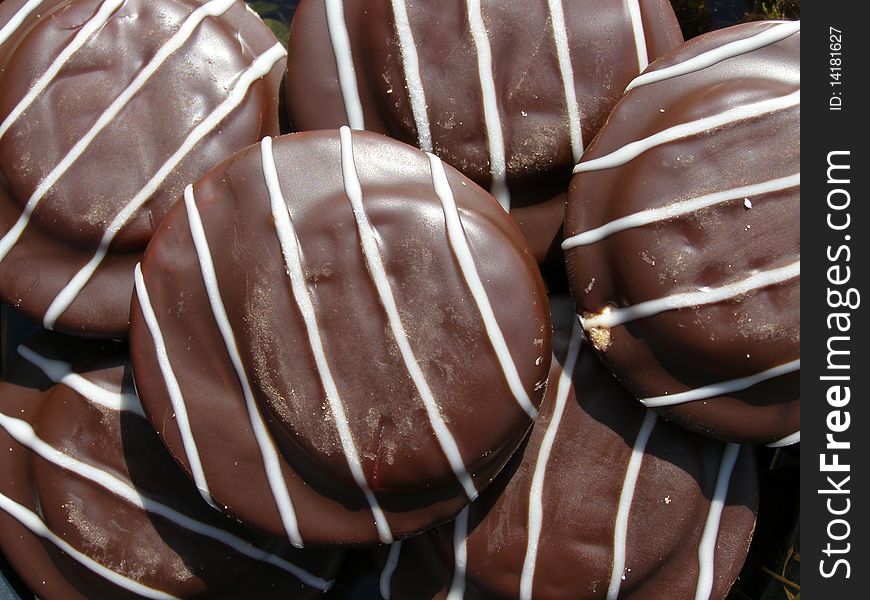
(92, 505)
(507, 92)
(605, 500)
(108, 110)
(353, 337)
(683, 235)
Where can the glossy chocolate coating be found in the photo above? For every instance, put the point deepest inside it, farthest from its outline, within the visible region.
(174, 543)
(279, 331)
(97, 139)
(577, 490)
(528, 83)
(16, 16)
(748, 167)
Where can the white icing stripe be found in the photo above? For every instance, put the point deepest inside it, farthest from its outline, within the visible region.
(176, 398)
(705, 295)
(794, 438)
(716, 55)
(462, 252)
(723, 387)
(497, 160)
(31, 521)
(639, 35)
(411, 63)
(61, 372)
(293, 260)
(626, 497)
(340, 39)
(536, 491)
(266, 445)
(18, 19)
(87, 30)
(560, 35)
(369, 243)
(23, 433)
(684, 130)
(707, 546)
(386, 579)
(678, 209)
(213, 8)
(460, 556)
(258, 69)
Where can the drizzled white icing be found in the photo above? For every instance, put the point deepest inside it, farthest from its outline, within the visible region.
(23, 433)
(620, 529)
(767, 37)
(411, 63)
(677, 209)
(788, 440)
(374, 263)
(87, 30)
(460, 556)
(347, 82)
(566, 69)
(724, 387)
(261, 67)
(215, 7)
(386, 580)
(707, 542)
(61, 372)
(707, 547)
(612, 317)
(494, 134)
(291, 250)
(704, 296)
(266, 445)
(636, 19)
(463, 255)
(31, 521)
(731, 116)
(536, 490)
(18, 19)
(176, 398)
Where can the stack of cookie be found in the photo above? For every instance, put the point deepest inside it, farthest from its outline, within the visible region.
(508, 309)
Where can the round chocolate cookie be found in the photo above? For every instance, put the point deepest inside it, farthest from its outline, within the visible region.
(353, 337)
(683, 235)
(604, 500)
(108, 110)
(92, 505)
(507, 92)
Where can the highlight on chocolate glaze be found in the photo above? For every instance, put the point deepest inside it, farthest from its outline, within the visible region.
(686, 273)
(81, 229)
(483, 300)
(421, 277)
(506, 93)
